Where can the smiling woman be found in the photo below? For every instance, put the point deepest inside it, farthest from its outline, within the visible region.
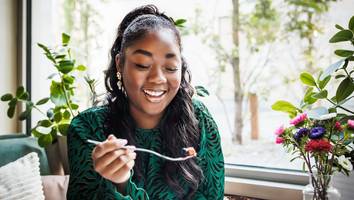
(150, 106)
(153, 66)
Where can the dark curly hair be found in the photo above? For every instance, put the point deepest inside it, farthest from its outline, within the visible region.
(179, 126)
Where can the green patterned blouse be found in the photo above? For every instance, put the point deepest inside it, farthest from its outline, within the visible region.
(85, 183)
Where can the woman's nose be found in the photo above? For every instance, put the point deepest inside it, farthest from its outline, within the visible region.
(156, 75)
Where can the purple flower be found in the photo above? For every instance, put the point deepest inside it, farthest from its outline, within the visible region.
(300, 133)
(317, 132)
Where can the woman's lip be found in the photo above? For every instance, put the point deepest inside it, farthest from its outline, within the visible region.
(155, 99)
(154, 92)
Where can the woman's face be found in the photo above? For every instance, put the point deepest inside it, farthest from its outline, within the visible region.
(152, 73)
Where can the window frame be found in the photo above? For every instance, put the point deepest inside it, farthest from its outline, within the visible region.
(264, 183)
(242, 180)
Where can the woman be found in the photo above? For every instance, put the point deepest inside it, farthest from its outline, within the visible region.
(149, 106)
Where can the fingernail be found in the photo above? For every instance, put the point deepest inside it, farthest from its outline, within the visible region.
(123, 141)
(134, 156)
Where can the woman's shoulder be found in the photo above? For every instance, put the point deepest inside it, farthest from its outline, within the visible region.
(93, 114)
(200, 110)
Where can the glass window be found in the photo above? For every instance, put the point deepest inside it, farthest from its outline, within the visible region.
(270, 59)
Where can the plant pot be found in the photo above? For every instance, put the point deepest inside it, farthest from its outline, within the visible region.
(57, 154)
(54, 159)
(320, 188)
(62, 140)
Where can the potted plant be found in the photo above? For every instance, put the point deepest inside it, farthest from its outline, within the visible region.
(323, 136)
(62, 108)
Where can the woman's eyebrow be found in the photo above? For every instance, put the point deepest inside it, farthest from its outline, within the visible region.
(144, 52)
(147, 53)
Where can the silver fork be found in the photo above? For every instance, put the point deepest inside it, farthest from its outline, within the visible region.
(148, 151)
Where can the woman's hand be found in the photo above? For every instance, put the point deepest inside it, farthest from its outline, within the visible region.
(112, 162)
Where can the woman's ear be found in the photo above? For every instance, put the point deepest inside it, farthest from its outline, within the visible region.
(117, 61)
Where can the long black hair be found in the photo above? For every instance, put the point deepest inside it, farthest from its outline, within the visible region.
(178, 126)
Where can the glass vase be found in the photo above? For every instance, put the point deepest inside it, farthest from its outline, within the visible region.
(320, 188)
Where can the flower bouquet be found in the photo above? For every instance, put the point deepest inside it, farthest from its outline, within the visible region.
(323, 136)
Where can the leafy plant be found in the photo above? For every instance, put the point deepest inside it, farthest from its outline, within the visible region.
(62, 108)
(317, 86)
(322, 136)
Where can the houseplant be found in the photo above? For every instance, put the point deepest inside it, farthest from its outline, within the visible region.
(60, 105)
(322, 136)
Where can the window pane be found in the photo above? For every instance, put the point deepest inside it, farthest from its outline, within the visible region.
(271, 57)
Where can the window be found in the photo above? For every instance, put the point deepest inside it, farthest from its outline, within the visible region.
(269, 64)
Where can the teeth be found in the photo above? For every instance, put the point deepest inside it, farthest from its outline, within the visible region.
(154, 93)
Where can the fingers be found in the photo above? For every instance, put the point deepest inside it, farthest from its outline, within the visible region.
(112, 161)
(121, 164)
(108, 158)
(124, 170)
(109, 145)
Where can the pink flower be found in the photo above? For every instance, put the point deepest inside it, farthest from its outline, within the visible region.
(298, 119)
(279, 140)
(351, 123)
(279, 130)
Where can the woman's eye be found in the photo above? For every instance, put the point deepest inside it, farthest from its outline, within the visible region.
(171, 69)
(142, 66)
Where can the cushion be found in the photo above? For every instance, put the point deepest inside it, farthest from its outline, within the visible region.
(21, 179)
(55, 187)
(15, 146)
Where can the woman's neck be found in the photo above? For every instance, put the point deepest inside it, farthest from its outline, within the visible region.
(144, 120)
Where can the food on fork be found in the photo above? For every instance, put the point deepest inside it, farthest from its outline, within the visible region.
(189, 151)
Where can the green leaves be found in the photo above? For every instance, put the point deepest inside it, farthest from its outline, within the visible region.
(345, 88)
(339, 27)
(57, 119)
(65, 38)
(11, 111)
(351, 24)
(81, 68)
(6, 97)
(343, 53)
(57, 95)
(66, 66)
(323, 83)
(308, 96)
(180, 22)
(63, 128)
(341, 36)
(20, 90)
(42, 101)
(45, 140)
(45, 123)
(286, 107)
(320, 95)
(25, 114)
(21, 94)
(307, 79)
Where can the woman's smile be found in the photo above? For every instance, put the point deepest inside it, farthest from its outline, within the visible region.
(154, 95)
